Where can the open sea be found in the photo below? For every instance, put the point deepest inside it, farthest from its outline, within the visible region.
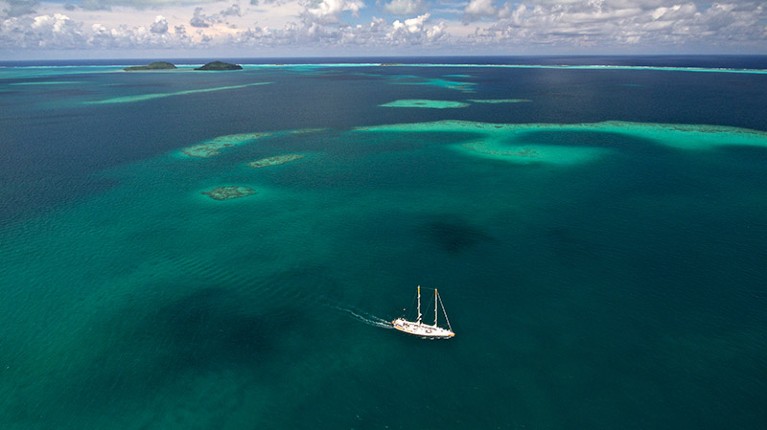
(224, 250)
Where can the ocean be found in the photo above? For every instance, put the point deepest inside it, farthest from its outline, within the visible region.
(224, 250)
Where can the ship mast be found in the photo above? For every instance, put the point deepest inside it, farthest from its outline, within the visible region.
(435, 307)
(419, 305)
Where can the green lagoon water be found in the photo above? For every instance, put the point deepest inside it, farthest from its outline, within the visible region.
(600, 248)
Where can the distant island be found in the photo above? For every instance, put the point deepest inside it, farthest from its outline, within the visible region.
(219, 65)
(164, 65)
(157, 65)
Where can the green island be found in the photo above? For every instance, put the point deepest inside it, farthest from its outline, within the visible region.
(219, 65)
(229, 192)
(274, 161)
(157, 65)
(213, 147)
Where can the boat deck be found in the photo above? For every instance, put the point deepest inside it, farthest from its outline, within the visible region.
(421, 329)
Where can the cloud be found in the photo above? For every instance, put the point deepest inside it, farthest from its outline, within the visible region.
(485, 26)
(200, 20)
(233, 10)
(160, 25)
(15, 8)
(42, 31)
(374, 34)
(480, 8)
(415, 31)
(404, 7)
(620, 23)
(328, 11)
(137, 4)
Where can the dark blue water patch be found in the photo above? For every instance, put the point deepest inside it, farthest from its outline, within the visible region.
(149, 85)
(574, 96)
(746, 154)
(366, 75)
(209, 327)
(667, 216)
(452, 234)
(154, 346)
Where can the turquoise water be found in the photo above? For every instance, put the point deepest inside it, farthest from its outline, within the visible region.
(602, 262)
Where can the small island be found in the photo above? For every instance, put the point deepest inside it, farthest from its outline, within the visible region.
(157, 65)
(229, 192)
(274, 161)
(219, 65)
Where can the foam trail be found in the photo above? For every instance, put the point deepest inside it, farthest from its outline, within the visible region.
(367, 318)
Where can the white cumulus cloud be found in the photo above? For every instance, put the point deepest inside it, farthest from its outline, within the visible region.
(200, 19)
(415, 31)
(604, 23)
(405, 7)
(503, 26)
(328, 11)
(480, 8)
(160, 25)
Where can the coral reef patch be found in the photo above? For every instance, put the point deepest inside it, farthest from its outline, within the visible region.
(275, 161)
(229, 192)
(427, 104)
(213, 147)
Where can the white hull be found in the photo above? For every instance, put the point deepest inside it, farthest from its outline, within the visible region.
(420, 329)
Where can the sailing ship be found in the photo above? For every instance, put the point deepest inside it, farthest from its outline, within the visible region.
(419, 328)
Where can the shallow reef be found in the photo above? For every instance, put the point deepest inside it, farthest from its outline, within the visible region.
(213, 147)
(275, 161)
(532, 143)
(499, 101)
(229, 192)
(428, 104)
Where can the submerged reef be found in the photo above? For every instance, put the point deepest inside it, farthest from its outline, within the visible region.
(453, 234)
(306, 130)
(219, 65)
(213, 147)
(499, 101)
(152, 96)
(275, 161)
(428, 104)
(562, 144)
(157, 65)
(466, 87)
(229, 192)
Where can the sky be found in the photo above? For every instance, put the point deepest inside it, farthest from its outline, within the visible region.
(63, 29)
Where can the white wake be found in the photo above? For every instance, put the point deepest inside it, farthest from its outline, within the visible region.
(367, 318)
